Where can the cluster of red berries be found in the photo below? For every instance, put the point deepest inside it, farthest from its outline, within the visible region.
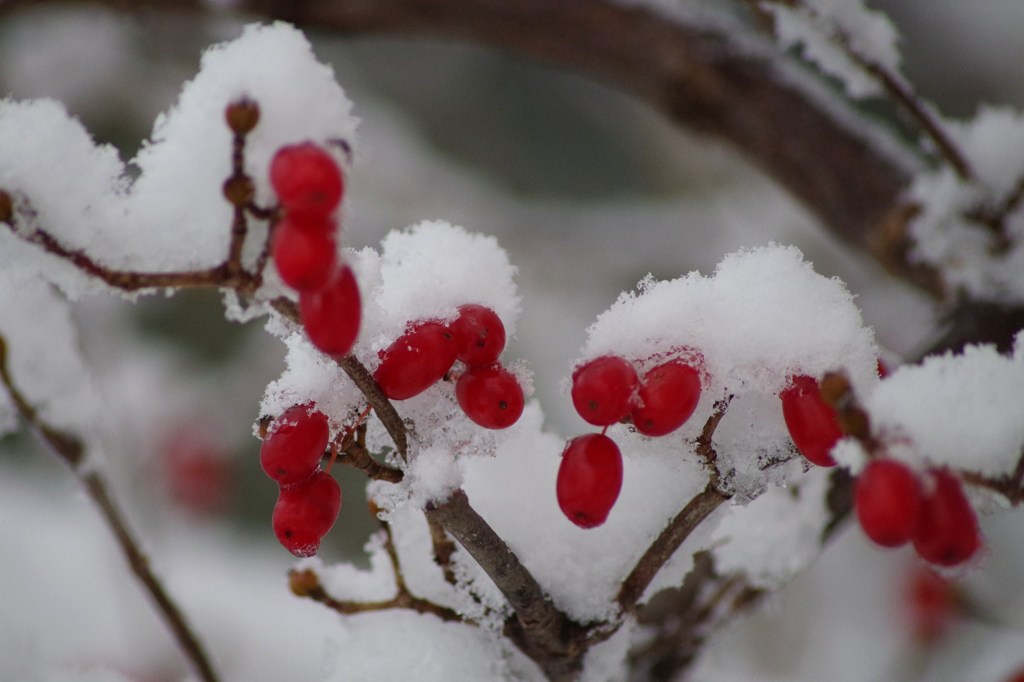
(309, 185)
(486, 391)
(607, 390)
(894, 506)
(309, 498)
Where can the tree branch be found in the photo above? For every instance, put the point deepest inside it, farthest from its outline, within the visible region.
(70, 449)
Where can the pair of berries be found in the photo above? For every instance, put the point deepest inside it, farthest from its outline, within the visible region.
(894, 507)
(488, 393)
(606, 390)
(309, 185)
(309, 498)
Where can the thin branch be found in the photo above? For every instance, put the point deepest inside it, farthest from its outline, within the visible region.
(443, 547)
(353, 452)
(899, 90)
(363, 380)
(70, 449)
(306, 583)
(705, 442)
(665, 545)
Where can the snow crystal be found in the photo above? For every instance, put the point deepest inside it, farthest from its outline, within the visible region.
(993, 144)
(174, 216)
(962, 410)
(764, 315)
(431, 268)
(821, 26)
(777, 535)
(345, 582)
(43, 356)
(401, 645)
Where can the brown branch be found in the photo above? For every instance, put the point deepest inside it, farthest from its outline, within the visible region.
(306, 583)
(363, 380)
(665, 545)
(352, 452)
(701, 77)
(541, 631)
(705, 442)
(444, 548)
(70, 449)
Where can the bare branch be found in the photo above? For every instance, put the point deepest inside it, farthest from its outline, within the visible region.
(306, 583)
(70, 449)
(666, 544)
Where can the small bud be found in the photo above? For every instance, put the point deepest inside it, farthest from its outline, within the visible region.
(6, 207)
(242, 115)
(304, 583)
(835, 389)
(239, 190)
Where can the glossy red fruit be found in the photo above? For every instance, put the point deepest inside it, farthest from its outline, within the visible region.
(887, 500)
(305, 257)
(295, 444)
(589, 479)
(604, 389)
(947, 534)
(479, 335)
(812, 423)
(668, 395)
(307, 180)
(491, 396)
(416, 360)
(305, 512)
(331, 315)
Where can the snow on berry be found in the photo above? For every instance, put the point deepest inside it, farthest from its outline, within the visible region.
(960, 410)
(430, 269)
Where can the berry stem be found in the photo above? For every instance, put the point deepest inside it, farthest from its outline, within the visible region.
(705, 443)
(71, 450)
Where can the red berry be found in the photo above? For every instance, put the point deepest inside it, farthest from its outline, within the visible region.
(304, 256)
(416, 360)
(307, 180)
(331, 315)
(812, 423)
(491, 396)
(589, 479)
(305, 512)
(294, 444)
(932, 604)
(947, 534)
(604, 389)
(888, 502)
(668, 395)
(479, 335)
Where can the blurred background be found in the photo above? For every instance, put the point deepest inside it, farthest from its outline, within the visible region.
(589, 191)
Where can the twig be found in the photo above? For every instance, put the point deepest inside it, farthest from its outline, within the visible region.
(363, 380)
(70, 449)
(705, 445)
(352, 452)
(666, 544)
(444, 548)
(306, 583)
(900, 91)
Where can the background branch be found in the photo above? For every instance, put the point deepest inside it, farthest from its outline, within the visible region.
(70, 449)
